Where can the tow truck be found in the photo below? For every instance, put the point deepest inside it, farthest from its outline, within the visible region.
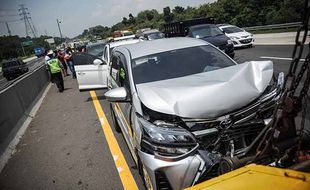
(279, 157)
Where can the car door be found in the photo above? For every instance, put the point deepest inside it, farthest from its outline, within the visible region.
(91, 71)
(106, 54)
(119, 78)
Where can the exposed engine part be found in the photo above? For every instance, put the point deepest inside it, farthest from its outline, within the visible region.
(228, 164)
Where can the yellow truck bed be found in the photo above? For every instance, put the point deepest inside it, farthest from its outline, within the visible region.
(257, 177)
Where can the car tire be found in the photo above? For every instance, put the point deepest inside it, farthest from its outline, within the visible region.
(114, 120)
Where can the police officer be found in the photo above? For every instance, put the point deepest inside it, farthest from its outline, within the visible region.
(55, 68)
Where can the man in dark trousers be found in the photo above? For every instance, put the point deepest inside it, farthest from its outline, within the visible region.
(55, 68)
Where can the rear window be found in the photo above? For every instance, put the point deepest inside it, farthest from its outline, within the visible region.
(206, 31)
(10, 64)
(178, 63)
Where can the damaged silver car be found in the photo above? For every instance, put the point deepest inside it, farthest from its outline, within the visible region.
(185, 107)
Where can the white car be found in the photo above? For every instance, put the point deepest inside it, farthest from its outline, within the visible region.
(94, 75)
(239, 36)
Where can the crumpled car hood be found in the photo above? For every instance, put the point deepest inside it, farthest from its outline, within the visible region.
(209, 94)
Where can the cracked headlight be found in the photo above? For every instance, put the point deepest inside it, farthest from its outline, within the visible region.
(165, 139)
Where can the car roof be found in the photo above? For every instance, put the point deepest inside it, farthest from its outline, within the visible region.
(123, 42)
(161, 45)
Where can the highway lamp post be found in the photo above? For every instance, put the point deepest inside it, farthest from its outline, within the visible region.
(23, 49)
(58, 22)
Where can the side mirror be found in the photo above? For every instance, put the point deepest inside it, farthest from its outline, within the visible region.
(116, 95)
(98, 62)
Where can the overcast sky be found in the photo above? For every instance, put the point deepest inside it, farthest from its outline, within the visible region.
(77, 15)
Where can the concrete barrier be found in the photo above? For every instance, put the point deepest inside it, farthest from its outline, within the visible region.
(16, 101)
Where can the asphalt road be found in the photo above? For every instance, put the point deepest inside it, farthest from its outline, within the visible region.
(64, 148)
(32, 65)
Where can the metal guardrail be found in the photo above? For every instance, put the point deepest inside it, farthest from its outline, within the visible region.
(274, 26)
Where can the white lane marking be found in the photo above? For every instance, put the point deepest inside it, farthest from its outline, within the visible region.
(279, 58)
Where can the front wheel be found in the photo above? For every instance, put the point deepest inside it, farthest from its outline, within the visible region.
(114, 120)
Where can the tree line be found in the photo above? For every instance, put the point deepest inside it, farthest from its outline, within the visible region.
(11, 46)
(243, 13)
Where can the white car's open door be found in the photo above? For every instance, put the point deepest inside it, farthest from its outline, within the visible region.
(91, 71)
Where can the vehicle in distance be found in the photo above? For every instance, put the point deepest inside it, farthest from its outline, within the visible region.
(212, 34)
(202, 28)
(13, 68)
(151, 34)
(239, 36)
(177, 107)
(39, 51)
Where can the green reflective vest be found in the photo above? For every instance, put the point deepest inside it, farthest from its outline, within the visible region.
(54, 65)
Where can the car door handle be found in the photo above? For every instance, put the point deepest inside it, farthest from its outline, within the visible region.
(81, 73)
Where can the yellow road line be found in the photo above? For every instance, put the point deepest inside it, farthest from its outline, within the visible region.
(119, 160)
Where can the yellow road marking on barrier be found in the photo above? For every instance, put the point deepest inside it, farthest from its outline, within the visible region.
(119, 160)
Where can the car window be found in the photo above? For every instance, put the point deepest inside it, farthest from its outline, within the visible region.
(10, 64)
(119, 71)
(232, 29)
(206, 31)
(123, 76)
(178, 63)
(96, 50)
(155, 35)
(105, 54)
(114, 67)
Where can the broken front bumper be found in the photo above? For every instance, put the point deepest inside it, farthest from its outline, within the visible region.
(172, 174)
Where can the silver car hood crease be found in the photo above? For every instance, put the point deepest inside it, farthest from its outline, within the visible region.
(210, 94)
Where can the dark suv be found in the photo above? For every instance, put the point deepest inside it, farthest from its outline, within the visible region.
(13, 68)
(212, 34)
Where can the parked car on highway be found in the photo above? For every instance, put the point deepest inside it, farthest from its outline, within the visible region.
(177, 107)
(239, 36)
(151, 34)
(212, 34)
(92, 70)
(13, 68)
(201, 28)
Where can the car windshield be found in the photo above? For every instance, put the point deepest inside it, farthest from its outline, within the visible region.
(96, 50)
(232, 29)
(206, 31)
(178, 63)
(155, 36)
